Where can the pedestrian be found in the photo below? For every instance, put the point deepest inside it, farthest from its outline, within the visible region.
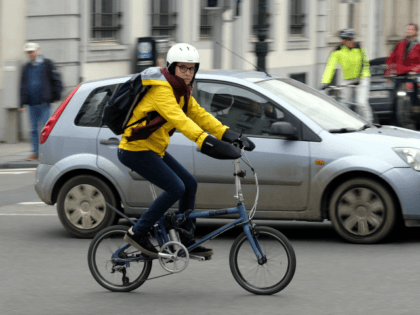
(355, 65)
(405, 58)
(40, 86)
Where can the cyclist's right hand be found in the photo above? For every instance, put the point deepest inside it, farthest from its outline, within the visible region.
(220, 150)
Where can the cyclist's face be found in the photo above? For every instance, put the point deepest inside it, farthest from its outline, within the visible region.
(188, 75)
(411, 31)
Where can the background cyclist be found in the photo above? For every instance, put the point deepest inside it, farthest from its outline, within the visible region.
(170, 96)
(405, 58)
(355, 66)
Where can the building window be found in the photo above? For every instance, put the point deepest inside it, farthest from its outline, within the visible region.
(206, 21)
(301, 77)
(105, 20)
(297, 18)
(163, 18)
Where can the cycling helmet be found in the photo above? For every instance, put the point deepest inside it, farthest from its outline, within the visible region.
(182, 53)
(347, 33)
(30, 47)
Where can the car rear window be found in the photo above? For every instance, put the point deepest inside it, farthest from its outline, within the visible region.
(90, 114)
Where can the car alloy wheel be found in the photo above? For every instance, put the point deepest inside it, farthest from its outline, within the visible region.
(81, 206)
(362, 210)
(85, 206)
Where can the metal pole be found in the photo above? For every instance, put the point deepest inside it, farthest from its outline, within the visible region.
(261, 47)
(217, 50)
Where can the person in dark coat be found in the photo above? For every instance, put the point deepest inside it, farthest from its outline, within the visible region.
(40, 86)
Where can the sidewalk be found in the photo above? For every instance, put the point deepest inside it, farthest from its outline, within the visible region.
(14, 155)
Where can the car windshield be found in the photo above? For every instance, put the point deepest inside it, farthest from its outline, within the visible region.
(320, 108)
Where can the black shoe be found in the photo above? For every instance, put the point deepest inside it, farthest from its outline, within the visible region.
(141, 242)
(199, 250)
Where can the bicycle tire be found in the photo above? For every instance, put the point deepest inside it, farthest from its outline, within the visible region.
(101, 265)
(241, 255)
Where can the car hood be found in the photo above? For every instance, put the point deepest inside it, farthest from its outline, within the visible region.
(387, 136)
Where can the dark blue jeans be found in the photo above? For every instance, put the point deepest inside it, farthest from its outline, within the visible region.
(167, 174)
(38, 115)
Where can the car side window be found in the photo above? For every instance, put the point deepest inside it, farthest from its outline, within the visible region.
(90, 114)
(242, 110)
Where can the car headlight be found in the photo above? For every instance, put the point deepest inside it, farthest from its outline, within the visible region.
(411, 156)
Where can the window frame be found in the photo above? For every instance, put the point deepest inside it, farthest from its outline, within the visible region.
(301, 41)
(288, 117)
(116, 14)
(172, 14)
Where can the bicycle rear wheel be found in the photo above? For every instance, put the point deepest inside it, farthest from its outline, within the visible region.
(120, 274)
(273, 275)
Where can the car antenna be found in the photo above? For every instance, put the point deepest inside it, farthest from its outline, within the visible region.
(244, 59)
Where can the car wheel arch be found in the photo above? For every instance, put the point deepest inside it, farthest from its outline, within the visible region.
(338, 180)
(73, 173)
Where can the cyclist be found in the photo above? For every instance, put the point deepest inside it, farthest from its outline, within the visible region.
(355, 65)
(405, 58)
(170, 89)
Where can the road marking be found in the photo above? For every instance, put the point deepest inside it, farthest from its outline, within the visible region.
(32, 203)
(16, 169)
(28, 214)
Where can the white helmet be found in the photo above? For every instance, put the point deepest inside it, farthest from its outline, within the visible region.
(181, 53)
(30, 47)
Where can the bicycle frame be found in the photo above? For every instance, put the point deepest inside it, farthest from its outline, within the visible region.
(161, 233)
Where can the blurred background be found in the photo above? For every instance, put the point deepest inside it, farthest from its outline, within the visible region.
(94, 39)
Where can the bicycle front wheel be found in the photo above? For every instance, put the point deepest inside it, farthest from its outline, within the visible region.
(275, 273)
(123, 273)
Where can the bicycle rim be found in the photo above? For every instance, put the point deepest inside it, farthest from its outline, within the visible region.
(115, 274)
(271, 277)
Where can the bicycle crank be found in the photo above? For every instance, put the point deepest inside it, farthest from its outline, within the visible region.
(173, 257)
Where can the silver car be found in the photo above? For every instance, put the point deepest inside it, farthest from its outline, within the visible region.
(315, 159)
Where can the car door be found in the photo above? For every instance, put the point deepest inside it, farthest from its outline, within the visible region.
(136, 190)
(282, 165)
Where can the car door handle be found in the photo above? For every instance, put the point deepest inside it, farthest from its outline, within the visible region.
(110, 142)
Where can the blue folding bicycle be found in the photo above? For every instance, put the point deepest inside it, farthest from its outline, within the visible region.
(262, 259)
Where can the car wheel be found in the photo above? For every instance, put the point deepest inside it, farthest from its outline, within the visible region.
(362, 211)
(81, 206)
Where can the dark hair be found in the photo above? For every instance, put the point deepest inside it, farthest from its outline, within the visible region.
(415, 25)
(171, 68)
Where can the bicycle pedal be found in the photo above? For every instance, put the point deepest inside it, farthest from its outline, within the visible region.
(199, 258)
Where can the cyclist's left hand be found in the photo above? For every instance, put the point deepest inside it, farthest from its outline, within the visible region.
(235, 137)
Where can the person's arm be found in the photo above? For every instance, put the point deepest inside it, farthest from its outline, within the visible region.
(390, 62)
(330, 68)
(365, 64)
(55, 81)
(23, 87)
(204, 119)
(166, 105)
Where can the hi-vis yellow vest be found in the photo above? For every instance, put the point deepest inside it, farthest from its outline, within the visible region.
(351, 61)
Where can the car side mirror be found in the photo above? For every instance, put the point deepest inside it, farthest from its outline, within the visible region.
(285, 129)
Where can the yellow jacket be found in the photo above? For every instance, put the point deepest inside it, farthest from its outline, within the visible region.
(354, 63)
(161, 98)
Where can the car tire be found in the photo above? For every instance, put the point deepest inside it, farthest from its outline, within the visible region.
(81, 206)
(362, 211)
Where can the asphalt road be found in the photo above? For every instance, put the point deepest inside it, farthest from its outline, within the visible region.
(45, 271)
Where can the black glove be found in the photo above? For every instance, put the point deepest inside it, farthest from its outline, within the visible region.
(233, 136)
(220, 150)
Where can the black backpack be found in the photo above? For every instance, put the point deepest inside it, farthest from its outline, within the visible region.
(118, 110)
